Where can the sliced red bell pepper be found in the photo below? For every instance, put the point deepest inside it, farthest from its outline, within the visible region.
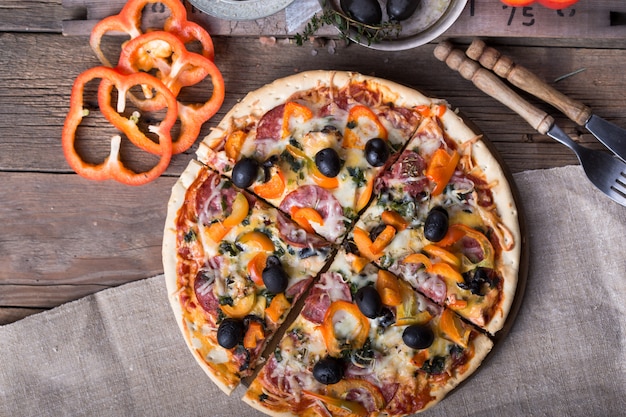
(112, 167)
(129, 21)
(177, 68)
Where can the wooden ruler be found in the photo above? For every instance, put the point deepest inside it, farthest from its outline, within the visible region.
(589, 19)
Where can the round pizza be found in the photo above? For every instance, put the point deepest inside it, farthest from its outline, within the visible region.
(344, 245)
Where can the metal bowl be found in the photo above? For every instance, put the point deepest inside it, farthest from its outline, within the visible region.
(431, 19)
(240, 9)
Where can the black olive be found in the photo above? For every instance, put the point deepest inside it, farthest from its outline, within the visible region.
(436, 224)
(387, 318)
(328, 370)
(418, 336)
(245, 172)
(274, 276)
(378, 229)
(230, 333)
(376, 152)
(328, 162)
(364, 11)
(401, 9)
(477, 281)
(368, 301)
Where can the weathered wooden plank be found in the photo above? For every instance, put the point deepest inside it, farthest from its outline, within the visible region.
(65, 230)
(589, 20)
(10, 315)
(35, 97)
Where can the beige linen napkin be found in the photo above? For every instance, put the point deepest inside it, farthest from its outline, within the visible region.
(119, 352)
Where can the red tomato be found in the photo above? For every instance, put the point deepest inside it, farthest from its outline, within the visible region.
(551, 4)
(557, 4)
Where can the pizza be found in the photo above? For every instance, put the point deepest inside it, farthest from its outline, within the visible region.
(344, 245)
(353, 349)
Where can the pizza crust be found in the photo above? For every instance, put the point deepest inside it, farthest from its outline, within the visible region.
(169, 254)
(509, 263)
(260, 101)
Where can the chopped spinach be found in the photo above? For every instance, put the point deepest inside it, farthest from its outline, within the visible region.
(229, 248)
(225, 300)
(190, 236)
(435, 365)
(357, 176)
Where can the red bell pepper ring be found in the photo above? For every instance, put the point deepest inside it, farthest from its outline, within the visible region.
(129, 21)
(112, 167)
(177, 68)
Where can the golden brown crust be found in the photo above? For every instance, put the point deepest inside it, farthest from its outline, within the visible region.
(258, 102)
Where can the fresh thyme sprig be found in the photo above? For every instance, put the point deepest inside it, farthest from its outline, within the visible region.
(371, 33)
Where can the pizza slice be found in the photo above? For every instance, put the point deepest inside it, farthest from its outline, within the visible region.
(312, 144)
(365, 344)
(234, 268)
(436, 223)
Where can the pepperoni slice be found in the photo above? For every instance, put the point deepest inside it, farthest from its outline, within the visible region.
(296, 236)
(270, 125)
(329, 288)
(212, 199)
(324, 202)
(205, 295)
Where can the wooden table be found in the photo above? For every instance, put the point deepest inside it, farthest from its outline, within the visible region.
(63, 237)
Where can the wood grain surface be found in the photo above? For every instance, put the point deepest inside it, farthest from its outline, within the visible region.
(63, 237)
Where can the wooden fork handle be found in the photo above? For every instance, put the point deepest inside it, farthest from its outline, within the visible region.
(524, 79)
(493, 86)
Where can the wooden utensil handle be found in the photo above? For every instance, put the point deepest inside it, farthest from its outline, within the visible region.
(493, 86)
(521, 77)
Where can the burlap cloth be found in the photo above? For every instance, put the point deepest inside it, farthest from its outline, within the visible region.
(120, 353)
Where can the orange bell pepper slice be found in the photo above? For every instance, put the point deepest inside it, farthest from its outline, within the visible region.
(418, 258)
(129, 21)
(359, 263)
(273, 188)
(342, 388)
(257, 240)
(483, 241)
(345, 310)
(450, 275)
(364, 243)
(394, 219)
(453, 328)
(241, 306)
(444, 255)
(365, 195)
(383, 239)
(453, 235)
(322, 180)
(239, 211)
(292, 110)
(420, 357)
(233, 144)
(277, 308)
(351, 138)
(255, 268)
(305, 215)
(216, 231)
(112, 167)
(389, 289)
(177, 68)
(441, 168)
(353, 407)
(254, 335)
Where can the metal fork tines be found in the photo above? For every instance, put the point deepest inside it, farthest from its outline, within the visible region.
(605, 171)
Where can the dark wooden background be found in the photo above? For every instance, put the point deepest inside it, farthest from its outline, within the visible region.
(63, 237)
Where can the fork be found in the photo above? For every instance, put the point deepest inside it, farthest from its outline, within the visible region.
(605, 171)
